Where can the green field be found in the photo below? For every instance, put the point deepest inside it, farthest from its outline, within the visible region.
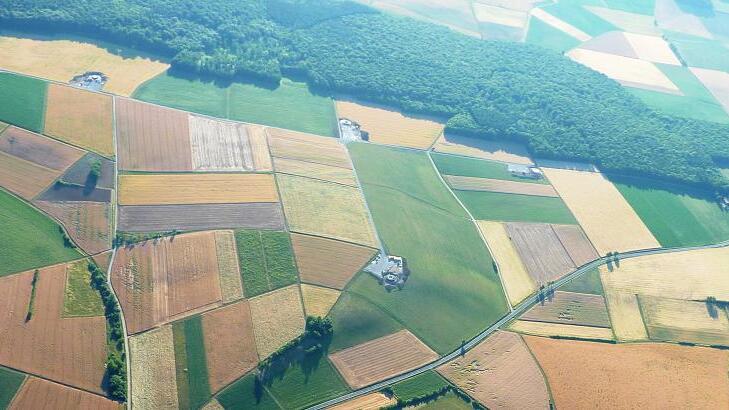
(291, 105)
(420, 385)
(579, 17)
(22, 101)
(246, 394)
(700, 52)
(587, 283)
(697, 102)
(80, 298)
(193, 388)
(676, 215)
(29, 238)
(453, 292)
(266, 260)
(480, 168)
(308, 383)
(356, 320)
(450, 401)
(10, 382)
(544, 35)
(495, 206)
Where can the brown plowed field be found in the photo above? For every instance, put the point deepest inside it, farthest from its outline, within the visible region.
(38, 149)
(259, 147)
(391, 127)
(152, 138)
(571, 308)
(172, 189)
(587, 375)
(317, 171)
(517, 282)
(80, 117)
(24, 178)
(42, 394)
(230, 348)
(328, 262)
(500, 373)
(372, 401)
(219, 145)
(231, 284)
(155, 218)
(67, 350)
(153, 375)
(381, 358)
(576, 244)
(306, 147)
(167, 280)
(498, 185)
(87, 223)
(541, 251)
(278, 317)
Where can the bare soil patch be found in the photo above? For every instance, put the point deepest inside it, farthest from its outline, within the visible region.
(38, 149)
(307, 147)
(43, 394)
(500, 373)
(541, 251)
(499, 185)
(24, 178)
(570, 308)
(87, 223)
(278, 317)
(646, 376)
(328, 262)
(381, 358)
(576, 244)
(153, 375)
(219, 145)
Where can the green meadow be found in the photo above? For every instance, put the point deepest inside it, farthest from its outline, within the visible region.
(480, 168)
(587, 283)
(356, 320)
(420, 385)
(246, 393)
(10, 382)
(193, 388)
(496, 206)
(22, 101)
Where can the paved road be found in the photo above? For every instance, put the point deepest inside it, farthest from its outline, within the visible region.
(518, 310)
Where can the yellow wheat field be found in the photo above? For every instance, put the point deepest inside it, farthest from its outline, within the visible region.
(313, 170)
(605, 216)
(625, 316)
(61, 60)
(153, 369)
(277, 318)
(231, 286)
(373, 401)
(558, 329)
(172, 189)
(391, 127)
(516, 279)
(259, 147)
(493, 150)
(318, 300)
(684, 321)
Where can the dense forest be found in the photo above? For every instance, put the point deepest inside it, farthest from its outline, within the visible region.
(488, 89)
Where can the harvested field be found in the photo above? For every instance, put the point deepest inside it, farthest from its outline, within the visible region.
(717, 82)
(259, 148)
(187, 189)
(67, 350)
(307, 147)
(570, 308)
(500, 373)
(167, 279)
(329, 173)
(231, 286)
(78, 173)
(42, 394)
(372, 401)
(75, 193)
(652, 48)
(679, 320)
(391, 127)
(576, 244)
(80, 117)
(38, 149)
(60, 60)
(326, 209)
(517, 282)
(219, 145)
(612, 42)
(152, 138)
(645, 376)
(627, 71)
(606, 217)
(560, 25)
(328, 262)
(476, 147)
(230, 348)
(24, 178)
(156, 218)
(541, 251)
(318, 301)
(381, 358)
(625, 316)
(153, 369)
(561, 330)
(498, 185)
(278, 317)
(626, 21)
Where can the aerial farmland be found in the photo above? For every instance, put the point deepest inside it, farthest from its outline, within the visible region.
(364, 204)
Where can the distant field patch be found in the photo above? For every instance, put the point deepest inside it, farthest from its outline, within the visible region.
(327, 262)
(497, 185)
(80, 298)
(700, 52)
(28, 97)
(499, 15)
(500, 373)
(605, 216)
(172, 189)
(477, 168)
(318, 301)
(717, 82)
(87, 223)
(475, 147)
(30, 239)
(38, 393)
(266, 261)
(549, 37)
(313, 170)
(573, 19)
(153, 369)
(80, 118)
(381, 358)
(278, 317)
(652, 48)
(570, 308)
(559, 24)
(357, 320)
(678, 320)
(516, 280)
(496, 206)
(327, 209)
(231, 285)
(391, 127)
(307, 147)
(456, 14)
(541, 251)
(561, 330)
(586, 374)
(160, 218)
(633, 22)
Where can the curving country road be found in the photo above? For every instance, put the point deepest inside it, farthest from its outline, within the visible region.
(516, 312)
